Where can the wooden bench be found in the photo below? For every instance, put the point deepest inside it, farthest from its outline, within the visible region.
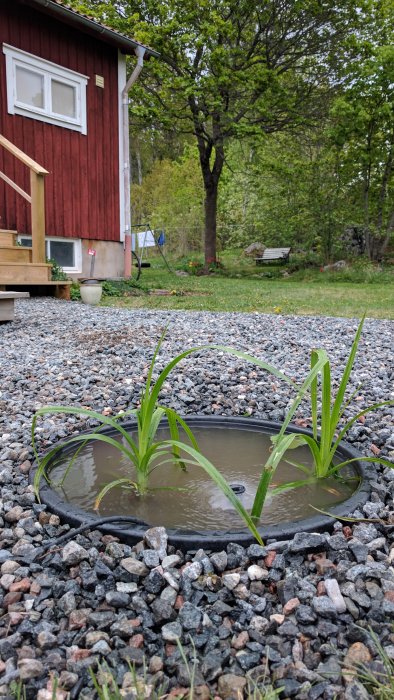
(270, 255)
(7, 300)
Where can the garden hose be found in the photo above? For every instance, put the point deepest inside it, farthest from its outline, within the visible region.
(91, 525)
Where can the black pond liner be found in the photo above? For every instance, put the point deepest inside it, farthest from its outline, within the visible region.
(133, 532)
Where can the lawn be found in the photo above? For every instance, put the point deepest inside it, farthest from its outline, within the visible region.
(302, 293)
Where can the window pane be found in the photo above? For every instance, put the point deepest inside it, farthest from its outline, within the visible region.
(25, 242)
(29, 87)
(63, 99)
(62, 252)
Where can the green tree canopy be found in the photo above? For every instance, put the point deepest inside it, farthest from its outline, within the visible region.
(231, 69)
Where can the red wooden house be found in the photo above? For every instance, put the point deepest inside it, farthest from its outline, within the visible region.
(64, 151)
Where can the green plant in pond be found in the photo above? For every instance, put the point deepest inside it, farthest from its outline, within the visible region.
(146, 452)
(283, 441)
(327, 415)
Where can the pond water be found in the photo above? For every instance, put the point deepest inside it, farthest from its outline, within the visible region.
(196, 502)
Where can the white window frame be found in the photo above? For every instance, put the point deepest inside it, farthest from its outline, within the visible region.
(49, 71)
(76, 242)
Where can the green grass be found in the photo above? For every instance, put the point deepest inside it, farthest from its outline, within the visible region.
(304, 292)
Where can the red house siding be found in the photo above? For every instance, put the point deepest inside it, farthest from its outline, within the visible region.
(82, 190)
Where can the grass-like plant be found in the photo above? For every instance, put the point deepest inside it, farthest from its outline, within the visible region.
(146, 452)
(107, 687)
(378, 683)
(328, 412)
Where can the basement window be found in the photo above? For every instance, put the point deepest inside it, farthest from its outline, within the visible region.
(42, 90)
(66, 252)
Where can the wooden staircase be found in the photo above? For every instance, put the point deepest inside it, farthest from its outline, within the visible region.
(16, 265)
(23, 267)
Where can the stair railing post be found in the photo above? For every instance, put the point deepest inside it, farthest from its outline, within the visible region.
(37, 216)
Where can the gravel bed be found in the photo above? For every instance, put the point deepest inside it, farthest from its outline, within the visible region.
(296, 613)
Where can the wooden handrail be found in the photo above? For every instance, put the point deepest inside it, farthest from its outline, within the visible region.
(15, 187)
(36, 198)
(31, 164)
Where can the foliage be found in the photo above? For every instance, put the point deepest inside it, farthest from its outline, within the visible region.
(194, 265)
(146, 453)
(18, 690)
(107, 687)
(75, 294)
(113, 288)
(327, 418)
(283, 442)
(361, 271)
(171, 198)
(123, 288)
(57, 272)
(378, 683)
(284, 189)
(362, 126)
(232, 69)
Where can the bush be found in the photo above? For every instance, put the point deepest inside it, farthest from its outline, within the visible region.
(57, 273)
(75, 294)
(123, 288)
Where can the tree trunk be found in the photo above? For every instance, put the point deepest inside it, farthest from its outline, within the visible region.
(139, 165)
(207, 147)
(210, 207)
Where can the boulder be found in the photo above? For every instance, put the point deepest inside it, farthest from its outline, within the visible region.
(340, 265)
(255, 249)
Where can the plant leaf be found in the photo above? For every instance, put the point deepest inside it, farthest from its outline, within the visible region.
(113, 484)
(345, 378)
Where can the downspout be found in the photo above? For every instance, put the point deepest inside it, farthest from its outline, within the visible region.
(140, 51)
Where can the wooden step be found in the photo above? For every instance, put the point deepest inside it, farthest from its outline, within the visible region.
(8, 238)
(24, 273)
(16, 253)
(59, 289)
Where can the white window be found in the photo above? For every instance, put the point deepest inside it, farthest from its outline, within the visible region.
(45, 91)
(67, 252)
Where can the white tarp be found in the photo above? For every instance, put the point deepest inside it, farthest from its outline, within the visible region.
(145, 239)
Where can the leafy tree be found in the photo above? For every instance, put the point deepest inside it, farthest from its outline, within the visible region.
(290, 193)
(171, 197)
(363, 125)
(231, 69)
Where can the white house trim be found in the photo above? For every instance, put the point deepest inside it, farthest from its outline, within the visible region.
(75, 242)
(122, 163)
(50, 73)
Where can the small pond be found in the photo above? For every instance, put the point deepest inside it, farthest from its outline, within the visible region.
(196, 502)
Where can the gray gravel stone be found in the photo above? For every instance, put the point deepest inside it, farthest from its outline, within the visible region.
(73, 553)
(30, 668)
(190, 616)
(335, 595)
(324, 607)
(67, 603)
(172, 631)
(219, 561)
(306, 542)
(156, 538)
(133, 566)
